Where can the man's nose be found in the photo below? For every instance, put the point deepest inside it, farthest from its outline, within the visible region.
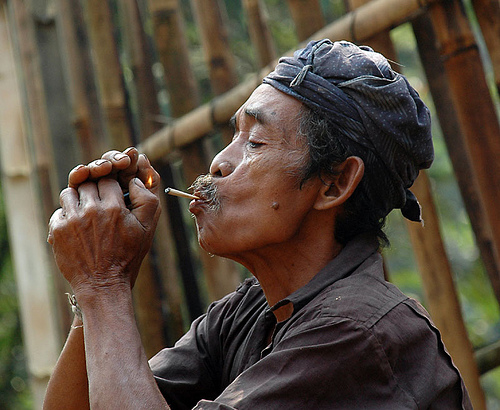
(223, 164)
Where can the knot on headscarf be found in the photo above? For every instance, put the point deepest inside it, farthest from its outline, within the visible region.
(376, 112)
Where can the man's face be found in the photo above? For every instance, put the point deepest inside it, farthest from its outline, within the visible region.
(257, 179)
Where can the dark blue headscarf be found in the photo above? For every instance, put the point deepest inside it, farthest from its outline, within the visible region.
(378, 115)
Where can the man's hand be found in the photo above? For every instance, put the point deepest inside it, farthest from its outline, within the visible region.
(97, 241)
(99, 244)
(123, 166)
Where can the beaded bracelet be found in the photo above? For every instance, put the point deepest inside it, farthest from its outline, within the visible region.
(75, 308)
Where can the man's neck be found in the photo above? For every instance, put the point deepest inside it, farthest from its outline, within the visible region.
(286, 267)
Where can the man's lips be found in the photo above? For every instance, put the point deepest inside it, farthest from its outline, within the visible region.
(196, 205)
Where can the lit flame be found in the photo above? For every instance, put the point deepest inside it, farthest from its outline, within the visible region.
(149, 182)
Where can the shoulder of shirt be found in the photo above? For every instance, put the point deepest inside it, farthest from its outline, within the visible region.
(362, 298)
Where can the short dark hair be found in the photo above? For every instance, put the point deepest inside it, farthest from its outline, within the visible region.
(326, 151)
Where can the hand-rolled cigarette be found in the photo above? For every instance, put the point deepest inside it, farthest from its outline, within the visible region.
(175, 192)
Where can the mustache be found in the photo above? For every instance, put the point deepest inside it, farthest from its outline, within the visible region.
(205, 187)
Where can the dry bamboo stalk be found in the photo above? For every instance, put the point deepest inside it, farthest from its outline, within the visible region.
(87, 116)
(169, 271)
(472, 100)
(461, 351)
(457, 149)
(449, 321)
(308, 17)
(488, 16)
(439, 288)
(220, 274)
(380, 42)
(211, 19)
(108, 73)
(35, 99)
(147, 297)
(38, 123)
(26, 228)
(65, 152)
(488, 357)
(260, 36)
(371, 18)
(171, 43)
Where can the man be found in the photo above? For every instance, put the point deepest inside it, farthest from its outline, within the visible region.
(322, 151)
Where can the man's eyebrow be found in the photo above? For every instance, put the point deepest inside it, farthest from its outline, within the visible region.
(256, 113)
(232, 122)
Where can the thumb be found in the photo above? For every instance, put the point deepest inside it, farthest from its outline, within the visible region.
(144, 203)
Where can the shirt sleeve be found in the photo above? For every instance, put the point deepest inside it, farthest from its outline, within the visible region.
(192, 369)
(183, 373)
(341, 364)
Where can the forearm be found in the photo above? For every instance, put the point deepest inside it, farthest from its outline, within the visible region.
(117, 367)
(68, 387)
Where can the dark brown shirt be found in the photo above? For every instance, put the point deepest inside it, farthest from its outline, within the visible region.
(353, 341)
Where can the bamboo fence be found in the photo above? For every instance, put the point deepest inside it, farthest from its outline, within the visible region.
(87, 76)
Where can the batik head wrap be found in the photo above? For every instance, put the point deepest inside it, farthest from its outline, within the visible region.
(377, 114)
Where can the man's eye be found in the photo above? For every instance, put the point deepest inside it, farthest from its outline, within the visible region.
(253, 144)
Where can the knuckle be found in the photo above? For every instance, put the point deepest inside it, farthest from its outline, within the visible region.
(90, 210)
(65, 194)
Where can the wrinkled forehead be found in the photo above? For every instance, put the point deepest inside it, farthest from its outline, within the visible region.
(273, 110)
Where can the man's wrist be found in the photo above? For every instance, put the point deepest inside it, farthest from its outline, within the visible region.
(109, 298)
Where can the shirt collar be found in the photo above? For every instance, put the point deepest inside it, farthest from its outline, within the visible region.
(351, 256)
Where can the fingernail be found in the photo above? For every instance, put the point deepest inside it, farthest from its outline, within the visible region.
(119, 156)
(131, 152)
(99, 162)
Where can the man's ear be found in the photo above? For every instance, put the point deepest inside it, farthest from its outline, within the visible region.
(339, 187)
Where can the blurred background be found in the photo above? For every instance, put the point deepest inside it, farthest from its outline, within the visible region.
(80, 77)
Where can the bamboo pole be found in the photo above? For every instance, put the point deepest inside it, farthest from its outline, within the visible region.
(308, 17)
(369, 19)
(472, 100)
(35, 99)
(26, 229)
(163, 249)
(108, 72)
(87, 117)
(172, 52)
(221, 274)
(457, 149)
(65, 151)
(147, 290)
(379, 42)
(461, 351)
(435, 279)
(38, 133)
(439, 288)
(488, 357)
(61, 142)
(171, 43)
(260, 36)
(211, 19)
(488, 16)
